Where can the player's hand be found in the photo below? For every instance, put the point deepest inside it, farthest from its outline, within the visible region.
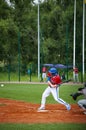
(54, 85)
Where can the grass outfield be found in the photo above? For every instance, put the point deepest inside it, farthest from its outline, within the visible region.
(43, 126)
(32, 93)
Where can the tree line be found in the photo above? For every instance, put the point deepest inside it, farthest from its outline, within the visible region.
(18, 26)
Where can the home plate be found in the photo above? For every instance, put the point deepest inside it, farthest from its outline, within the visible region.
(42, 111)
(84, 112)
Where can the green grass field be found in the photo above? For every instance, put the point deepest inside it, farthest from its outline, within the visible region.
(43, 126)
(32, 93)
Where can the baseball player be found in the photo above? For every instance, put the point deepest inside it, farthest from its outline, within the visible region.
(54, 81)
(81, 102)
(76, 71)
(44, 70)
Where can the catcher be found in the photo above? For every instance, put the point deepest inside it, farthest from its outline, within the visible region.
(54, 82)
(81, 91)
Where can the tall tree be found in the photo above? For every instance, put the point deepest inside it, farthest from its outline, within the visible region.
(56, 29)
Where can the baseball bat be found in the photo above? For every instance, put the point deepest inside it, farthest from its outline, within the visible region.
(66, 81)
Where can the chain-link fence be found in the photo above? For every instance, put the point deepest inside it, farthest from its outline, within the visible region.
(22, 72)
(18, 72)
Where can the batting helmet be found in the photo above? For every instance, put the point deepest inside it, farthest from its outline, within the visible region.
(56, 80)
(53, 71)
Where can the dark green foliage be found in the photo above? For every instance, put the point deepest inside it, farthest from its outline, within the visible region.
(56, 29)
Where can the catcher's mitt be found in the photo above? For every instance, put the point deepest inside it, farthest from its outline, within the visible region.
(56, 80)
(75, 95)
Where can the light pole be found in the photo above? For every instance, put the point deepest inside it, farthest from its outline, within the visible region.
(74, 44)
(38, 43)
(83, 40)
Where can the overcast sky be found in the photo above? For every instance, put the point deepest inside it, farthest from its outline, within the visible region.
(7, 1)
(36, 1)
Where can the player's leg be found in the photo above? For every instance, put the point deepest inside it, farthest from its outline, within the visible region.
(82, 104)
(44, 77)
(45, 94)
(77, 78)
(55, 94)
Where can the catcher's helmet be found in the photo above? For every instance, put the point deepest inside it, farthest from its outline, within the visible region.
(56, 80)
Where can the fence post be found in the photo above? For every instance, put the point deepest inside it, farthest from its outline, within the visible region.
(8, 72)
(19, 55)
(67, 48)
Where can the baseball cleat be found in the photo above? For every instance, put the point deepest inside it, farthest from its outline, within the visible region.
(41, 108)
(68, 107)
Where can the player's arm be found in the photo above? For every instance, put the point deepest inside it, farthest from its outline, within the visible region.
(51, 85)
(49, 82)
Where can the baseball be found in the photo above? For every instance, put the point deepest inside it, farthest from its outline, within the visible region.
(2, 85)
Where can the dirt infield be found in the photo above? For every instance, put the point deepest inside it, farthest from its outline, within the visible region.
(12, 111)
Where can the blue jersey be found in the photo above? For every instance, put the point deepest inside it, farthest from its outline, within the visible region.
(48, 78)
